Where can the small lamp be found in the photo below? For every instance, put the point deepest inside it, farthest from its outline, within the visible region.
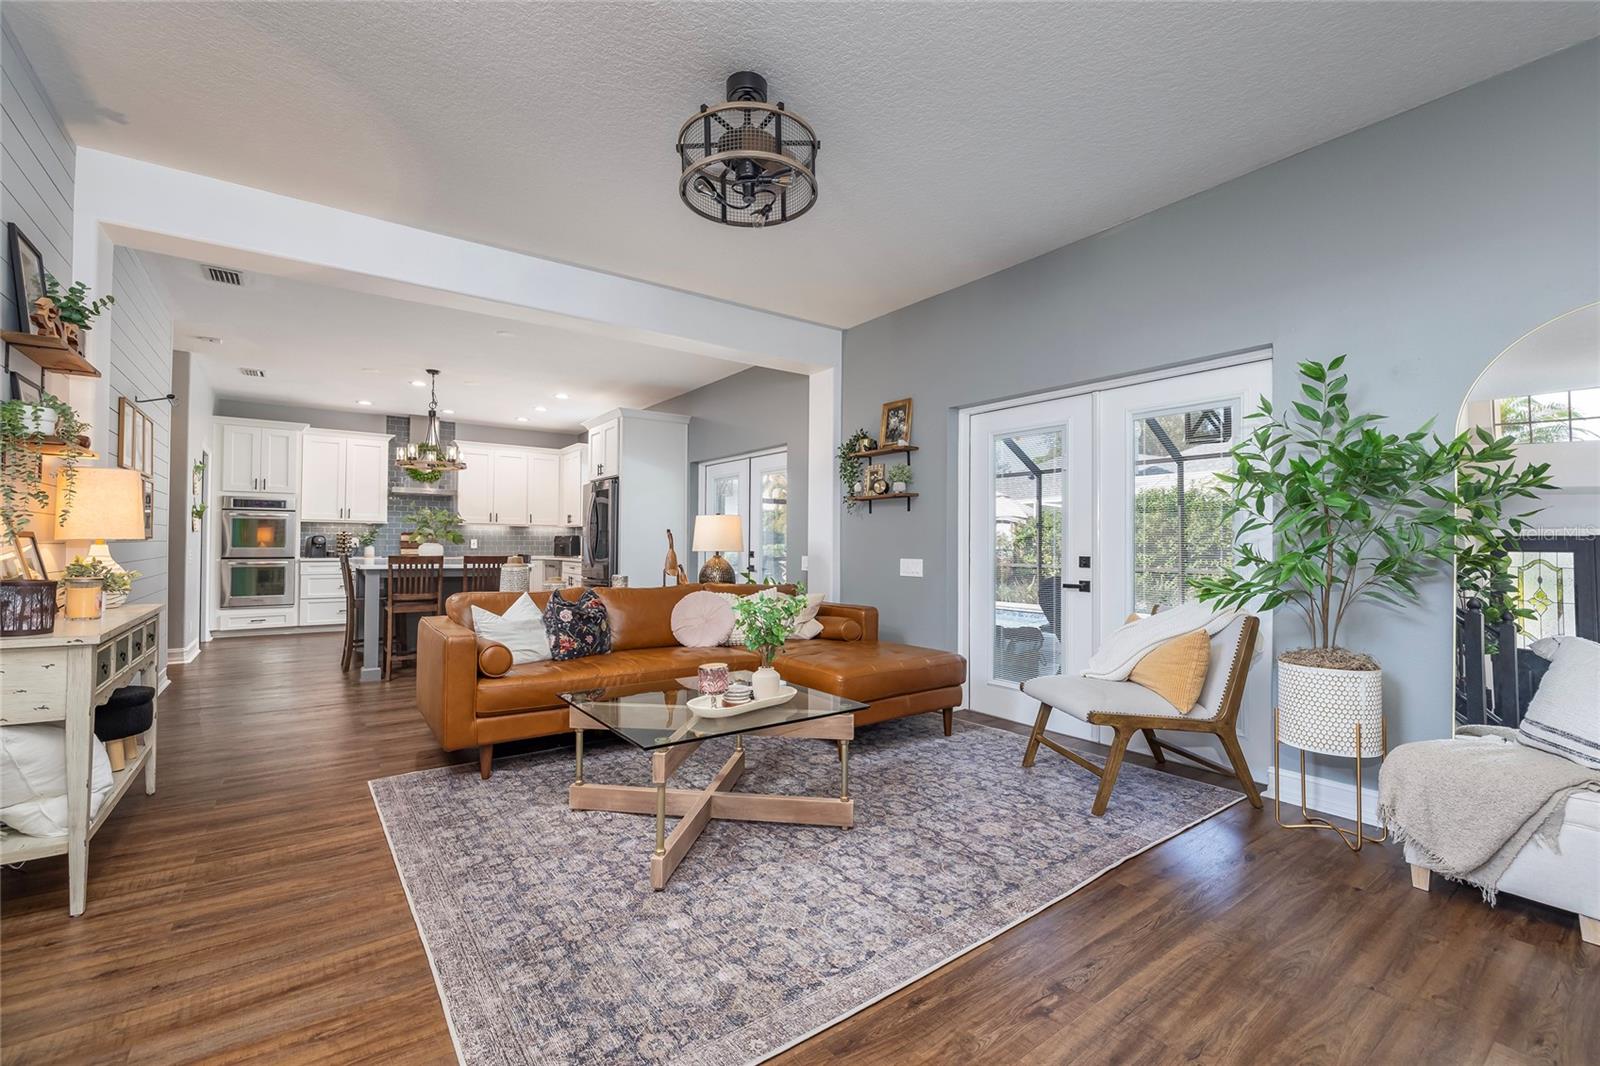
(717, 533)
(107, 504)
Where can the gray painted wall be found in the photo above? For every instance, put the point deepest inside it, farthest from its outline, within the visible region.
(36, 176)
(1422, 246)
(751, 411)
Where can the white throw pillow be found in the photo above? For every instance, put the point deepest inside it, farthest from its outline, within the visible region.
(520, 629)
(1564, 715)
(805, 625)
(33, 779)
(702, 620)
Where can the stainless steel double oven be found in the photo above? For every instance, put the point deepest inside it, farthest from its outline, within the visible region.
(260, 540)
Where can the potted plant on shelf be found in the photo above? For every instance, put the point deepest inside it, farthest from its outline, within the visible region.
(365, 540)
(850, 461)
(766, 620)
(90, 585)
(1356, 514)
(76, 313)
(433, 526)
(24, 428)
(900, 476)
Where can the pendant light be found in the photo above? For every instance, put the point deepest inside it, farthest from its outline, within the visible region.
(429, 456)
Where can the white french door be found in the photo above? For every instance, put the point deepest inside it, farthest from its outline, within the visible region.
(1085, 508)
(756, 488)
(1030, 534)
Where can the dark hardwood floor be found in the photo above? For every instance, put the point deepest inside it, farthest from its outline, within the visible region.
(250, 911)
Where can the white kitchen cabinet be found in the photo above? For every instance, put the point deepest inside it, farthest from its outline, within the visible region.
(259, 456)
(574, 459)
(475, 484)
(510, 487)
(345, 478)
(321, 599)
(605, 445)
(544, 489)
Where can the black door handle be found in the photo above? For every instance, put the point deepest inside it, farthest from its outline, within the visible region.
(1076, 586)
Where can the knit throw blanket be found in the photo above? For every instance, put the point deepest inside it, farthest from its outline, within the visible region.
(1470, 804)
(1126, 645)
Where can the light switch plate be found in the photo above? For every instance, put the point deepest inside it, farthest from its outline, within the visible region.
(473, 543)
(910, 567)
(805, 562)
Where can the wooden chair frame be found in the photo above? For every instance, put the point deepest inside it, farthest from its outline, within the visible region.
(415, 586)
(481, 573)
(352, 614)
(1223, 726)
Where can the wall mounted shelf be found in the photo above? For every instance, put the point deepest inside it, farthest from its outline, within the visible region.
(50, 353)
(903, 449)
(870, 500)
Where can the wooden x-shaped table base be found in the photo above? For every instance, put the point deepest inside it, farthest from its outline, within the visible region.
(694, 808)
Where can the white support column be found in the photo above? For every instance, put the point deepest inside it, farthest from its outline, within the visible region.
(822, 489)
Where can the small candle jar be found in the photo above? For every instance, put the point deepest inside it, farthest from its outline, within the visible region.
(85, 597)
(713, 679)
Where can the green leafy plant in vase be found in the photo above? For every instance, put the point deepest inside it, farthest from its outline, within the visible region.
(24, 429)
(76, 311)
(899, 476)
(1356, 515)
(434, 527)
(92, 572)
(765, 620)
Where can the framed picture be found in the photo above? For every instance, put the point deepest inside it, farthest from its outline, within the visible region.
(25, 390)
(11, 564)
(28, 548)
(136, 438)
(874, 478)
(27, 274)
(896, 424)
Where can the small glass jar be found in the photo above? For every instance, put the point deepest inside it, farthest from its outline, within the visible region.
(85, 597)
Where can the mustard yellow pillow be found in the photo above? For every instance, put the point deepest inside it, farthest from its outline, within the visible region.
(1176, 670)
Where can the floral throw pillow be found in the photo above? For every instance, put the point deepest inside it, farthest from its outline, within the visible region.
(579, 628)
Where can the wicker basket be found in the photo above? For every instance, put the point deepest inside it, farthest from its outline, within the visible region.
(27, 607)
(1319, 709)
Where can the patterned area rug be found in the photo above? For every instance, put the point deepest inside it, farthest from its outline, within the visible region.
(549, 947)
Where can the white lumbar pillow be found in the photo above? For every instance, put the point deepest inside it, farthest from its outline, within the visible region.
(1564, 716)
(804, 627)
(520, 629)
(33, 779)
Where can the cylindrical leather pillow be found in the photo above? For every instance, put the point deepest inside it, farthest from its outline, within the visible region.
(129, 712)
(494, 658)
(836, 628)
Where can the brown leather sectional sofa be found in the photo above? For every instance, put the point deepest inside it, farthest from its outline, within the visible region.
(471, 695)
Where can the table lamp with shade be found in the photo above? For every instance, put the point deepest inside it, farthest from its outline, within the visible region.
(107, 504)
(717, 533)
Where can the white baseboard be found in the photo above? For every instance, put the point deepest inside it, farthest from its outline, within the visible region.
(162, 681)
(1325, 796)
(186, 654)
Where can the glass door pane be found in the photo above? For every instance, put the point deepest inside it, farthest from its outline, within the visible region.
(1026, 477)
(1179, 528)
(769, 540)
(724, 490)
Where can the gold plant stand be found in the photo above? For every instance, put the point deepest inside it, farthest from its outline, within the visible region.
(1354, 840)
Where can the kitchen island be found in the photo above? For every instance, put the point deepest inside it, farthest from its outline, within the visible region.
(372, 573)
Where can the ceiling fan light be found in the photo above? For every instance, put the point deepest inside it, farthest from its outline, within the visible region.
(746, 162)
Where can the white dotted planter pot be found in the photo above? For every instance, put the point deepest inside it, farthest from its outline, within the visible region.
(1319, 709)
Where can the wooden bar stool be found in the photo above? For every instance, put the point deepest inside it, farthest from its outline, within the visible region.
(354, 622)
(481, 573)
(415, 586)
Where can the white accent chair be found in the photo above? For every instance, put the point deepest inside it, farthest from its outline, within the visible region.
(1129, 708)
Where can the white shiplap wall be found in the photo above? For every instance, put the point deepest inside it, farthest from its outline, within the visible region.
(35, 175)
(140, 325)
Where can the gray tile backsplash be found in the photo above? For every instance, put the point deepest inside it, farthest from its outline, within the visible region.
(406, 497)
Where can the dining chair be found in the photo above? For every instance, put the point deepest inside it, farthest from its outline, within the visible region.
(415, 587)
(354, 627)
(481, 573)
(1130, 708)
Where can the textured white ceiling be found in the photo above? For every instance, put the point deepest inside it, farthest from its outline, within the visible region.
(327, 346)
(957, 138)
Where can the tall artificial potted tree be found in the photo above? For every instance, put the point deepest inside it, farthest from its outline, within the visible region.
(1356, 515)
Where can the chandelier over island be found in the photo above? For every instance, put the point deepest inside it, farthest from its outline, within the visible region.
(428, 459)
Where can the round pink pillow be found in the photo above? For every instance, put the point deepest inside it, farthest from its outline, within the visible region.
(702, 620)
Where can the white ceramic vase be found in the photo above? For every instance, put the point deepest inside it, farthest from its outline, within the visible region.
(370, 552)
(899, 486)
(1319, 709)
(765, 683)
(430, 547)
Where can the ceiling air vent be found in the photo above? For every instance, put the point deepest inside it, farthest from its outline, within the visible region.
(224, 276)
(252, 372)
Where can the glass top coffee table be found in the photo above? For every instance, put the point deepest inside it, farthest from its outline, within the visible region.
(656, 719)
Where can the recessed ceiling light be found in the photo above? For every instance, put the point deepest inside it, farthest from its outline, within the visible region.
(419, 384)
(502, 333)
(521, 419)
(562, 396)
(448, 411)
(364, 403)
(541, 408)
